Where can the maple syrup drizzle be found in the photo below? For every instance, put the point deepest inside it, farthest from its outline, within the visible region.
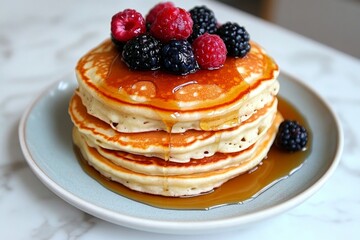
(122, 77)
(119, 83)
(277, 166)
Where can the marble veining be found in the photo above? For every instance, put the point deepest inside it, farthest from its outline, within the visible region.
(70, 226)
(41, 41)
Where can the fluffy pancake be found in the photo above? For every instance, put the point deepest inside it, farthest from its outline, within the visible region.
(138, 101)
(172, 135)
(177, 147)
(156, 176)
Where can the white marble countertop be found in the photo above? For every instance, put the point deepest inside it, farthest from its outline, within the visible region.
(41, 41)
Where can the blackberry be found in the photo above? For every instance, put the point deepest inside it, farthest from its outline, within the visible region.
(142, 53)
(178, 57)
(203, 21)
(291, 136)
(198, 30)
(236, 39)
(119, 45)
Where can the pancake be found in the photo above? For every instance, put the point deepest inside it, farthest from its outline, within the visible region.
(172, 135)
(139, 101)
(176, 147)
(156, 176)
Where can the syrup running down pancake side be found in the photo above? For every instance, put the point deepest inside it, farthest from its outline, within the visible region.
(277, 166)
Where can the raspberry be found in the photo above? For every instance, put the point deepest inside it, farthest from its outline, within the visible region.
(142, 53)
(291, 136)
(210, 51)
(150, 17)
(178, 57)
(127, 24)
(236, 39)
(172, 23)
(204, 21)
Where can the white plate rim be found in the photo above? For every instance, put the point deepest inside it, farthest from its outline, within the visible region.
(176, 227)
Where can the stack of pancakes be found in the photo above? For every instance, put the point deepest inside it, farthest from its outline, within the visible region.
(171, 135)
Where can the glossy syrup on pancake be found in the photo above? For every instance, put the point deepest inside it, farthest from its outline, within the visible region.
(277, 166)
(164, 91)
(213, 95)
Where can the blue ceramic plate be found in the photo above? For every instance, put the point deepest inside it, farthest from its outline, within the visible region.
(45, 137)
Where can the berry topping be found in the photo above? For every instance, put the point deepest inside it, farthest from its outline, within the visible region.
(210, 51)
(236, 39)
(126, 25)
(142, 53)
(172, 23)
(291, 136)
(204, 21)
(150, 17)
(193, 39)
(178, 57)
(197, 31)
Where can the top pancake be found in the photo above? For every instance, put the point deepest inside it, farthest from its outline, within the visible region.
(137, 101)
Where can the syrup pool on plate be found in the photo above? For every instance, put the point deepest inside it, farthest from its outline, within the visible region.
(277, 166)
